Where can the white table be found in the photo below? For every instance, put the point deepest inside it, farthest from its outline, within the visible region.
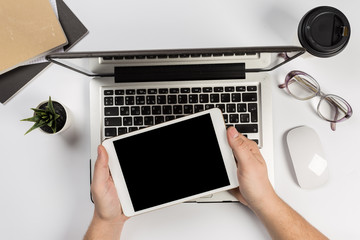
(44, 180)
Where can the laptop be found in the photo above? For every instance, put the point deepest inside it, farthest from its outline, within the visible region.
(131, 90)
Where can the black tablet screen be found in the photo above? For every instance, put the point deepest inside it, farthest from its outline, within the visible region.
(171, 162)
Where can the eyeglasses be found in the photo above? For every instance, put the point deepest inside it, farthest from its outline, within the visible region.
(331, 108)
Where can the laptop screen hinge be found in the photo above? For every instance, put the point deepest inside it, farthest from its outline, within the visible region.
(179, 72)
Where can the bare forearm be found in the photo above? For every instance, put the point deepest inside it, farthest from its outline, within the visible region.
(100, 229)
(283, 222)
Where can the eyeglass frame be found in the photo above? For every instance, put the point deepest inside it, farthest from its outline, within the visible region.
(317, 92)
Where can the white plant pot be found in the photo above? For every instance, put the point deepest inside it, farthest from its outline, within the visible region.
(65, 111)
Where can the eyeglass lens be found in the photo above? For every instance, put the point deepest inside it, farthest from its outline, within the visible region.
(302, 87)
(332, 108)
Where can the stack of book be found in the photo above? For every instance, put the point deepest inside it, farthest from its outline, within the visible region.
(30, 29)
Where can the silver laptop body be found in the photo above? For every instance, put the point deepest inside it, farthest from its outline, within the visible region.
(135, 89)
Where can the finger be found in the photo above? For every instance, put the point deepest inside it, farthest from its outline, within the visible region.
(101, 171)
(240, 146)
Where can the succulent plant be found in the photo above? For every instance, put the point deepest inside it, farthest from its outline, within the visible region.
(43, 117)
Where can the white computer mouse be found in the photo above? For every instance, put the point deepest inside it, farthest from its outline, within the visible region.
(308, 157)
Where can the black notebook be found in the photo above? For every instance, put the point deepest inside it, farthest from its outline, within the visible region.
(13, 81)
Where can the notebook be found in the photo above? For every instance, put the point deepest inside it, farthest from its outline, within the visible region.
(28, 29)
(13, 81)
(131, 90)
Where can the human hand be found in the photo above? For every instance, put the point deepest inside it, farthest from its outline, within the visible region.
(254, 185)
(108, 219)
(107, 204)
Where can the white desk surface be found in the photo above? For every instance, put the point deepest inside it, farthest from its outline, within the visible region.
(44, 180)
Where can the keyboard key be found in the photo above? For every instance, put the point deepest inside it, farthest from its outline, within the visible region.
(229, 89)
(163, 90)
(168, 118)
(226, 118)
(135, 110)
(221, 107)
(177, 109)
(119, 92)
(112, 121)
(249, 97)
(204, 98)
(141, 91)
(127, 121)
(195, 55)
(247, 128)
(159, 119)
(234, 118)
(188, 109)
(149, 120)
(230, 108)
(253, 112)
(156, 110)
(150, 99)
(131, 129)
(207, 89)
(108, 92)
(218, 89)
(185, 90)
(119, 100)
(225, 97)
(167, 109)
(129, 100)
(174, 90)
(236, 97)
(161, 99)
(193, 98)
(184, 55)
(145, 110)
(122, 130)
(110, 132)
(124, 111)
(138, 121)
(240, 89)
(182, 99)
(244, 118)
(198, 108)
(196, 90)
(172, 99)
(111, 111)
(214, 98)
(130, 91)
(140, 100)
(251, 88)
(152, 91)
(209, 106)
(241, 107)
(108, 101)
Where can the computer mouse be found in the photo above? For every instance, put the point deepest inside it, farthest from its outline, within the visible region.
(308, 157)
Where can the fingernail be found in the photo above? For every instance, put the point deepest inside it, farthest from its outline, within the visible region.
(233, 132)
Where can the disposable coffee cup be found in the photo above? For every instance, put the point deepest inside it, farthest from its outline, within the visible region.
(324, 31)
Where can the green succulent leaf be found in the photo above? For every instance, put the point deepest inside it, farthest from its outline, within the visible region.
(43, 117)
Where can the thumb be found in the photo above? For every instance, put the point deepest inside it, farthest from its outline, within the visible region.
(101, 171)
(238, 144)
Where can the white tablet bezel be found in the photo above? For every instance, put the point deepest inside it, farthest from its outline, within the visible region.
(226, 152)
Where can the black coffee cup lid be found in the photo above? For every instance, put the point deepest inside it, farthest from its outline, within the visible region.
(324, 31)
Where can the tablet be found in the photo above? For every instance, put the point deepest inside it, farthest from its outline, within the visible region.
(172, 162)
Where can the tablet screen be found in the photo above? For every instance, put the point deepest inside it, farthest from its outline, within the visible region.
(171, 162)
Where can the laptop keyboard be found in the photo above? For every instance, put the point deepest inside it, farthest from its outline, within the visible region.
(130, 109)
